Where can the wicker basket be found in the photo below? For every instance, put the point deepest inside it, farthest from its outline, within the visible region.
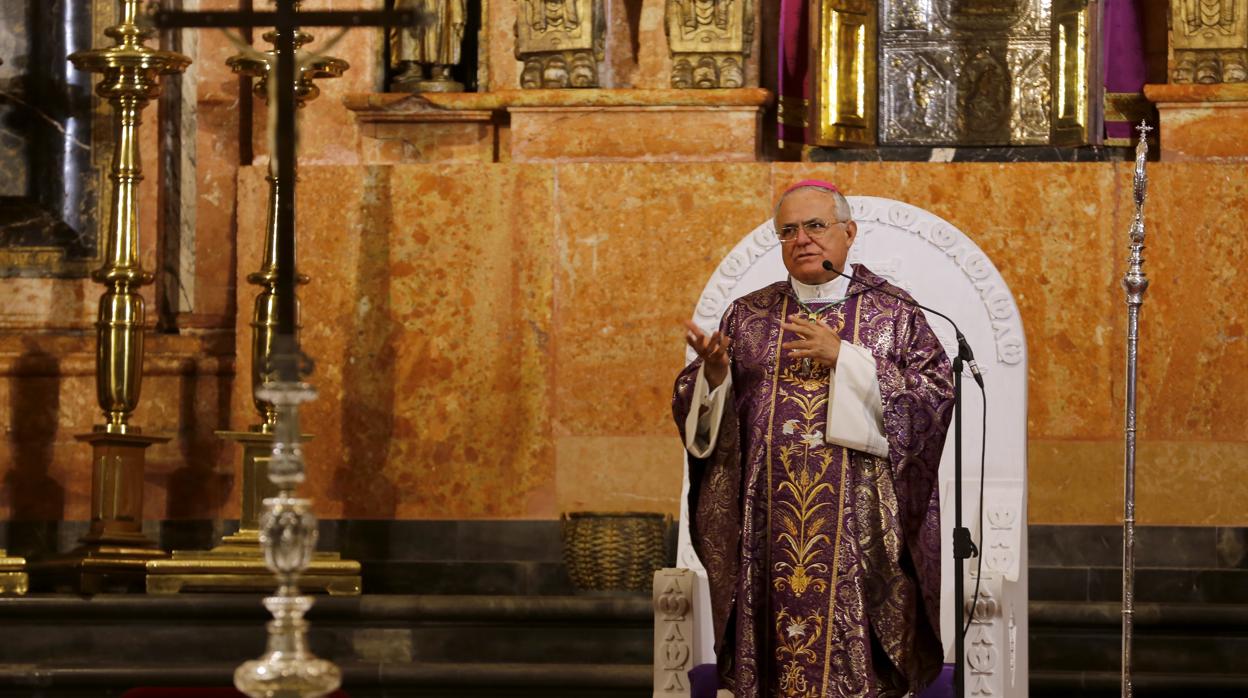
(614, 551)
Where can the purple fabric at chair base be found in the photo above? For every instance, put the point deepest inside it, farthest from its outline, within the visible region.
(703, 681)
(942, 687)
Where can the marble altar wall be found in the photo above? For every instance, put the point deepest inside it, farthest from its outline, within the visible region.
(47, 395)
(501, 341)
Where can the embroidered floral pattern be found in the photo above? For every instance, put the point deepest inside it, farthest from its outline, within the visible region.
(797, 637)
(814, 552)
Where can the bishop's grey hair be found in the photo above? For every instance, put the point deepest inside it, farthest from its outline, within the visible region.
(843, 212)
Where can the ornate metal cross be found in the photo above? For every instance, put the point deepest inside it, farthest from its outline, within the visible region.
(288, 529)
(286, 20)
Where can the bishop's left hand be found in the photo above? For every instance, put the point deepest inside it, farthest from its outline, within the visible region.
(817, 341)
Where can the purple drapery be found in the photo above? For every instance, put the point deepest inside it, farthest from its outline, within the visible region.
(794, 66)
(1125, 74)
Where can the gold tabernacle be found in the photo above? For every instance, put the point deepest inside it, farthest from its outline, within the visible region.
(843, 59)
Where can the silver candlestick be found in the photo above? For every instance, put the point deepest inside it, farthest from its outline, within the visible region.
(288, 537)
(1135, 283)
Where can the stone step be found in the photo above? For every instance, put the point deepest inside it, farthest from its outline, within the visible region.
(1184, 547)
(466, 577)
(1175, 639)
(359, 679)
(1147, 615)
(1108, 684)
(1152, 584)
(393, 629)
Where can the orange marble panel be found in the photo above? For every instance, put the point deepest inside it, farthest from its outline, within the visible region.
(34, 303)
(217, 158)
(638, 134)
(432, 139)
(636, 244)
(1192, 323)
(1023, 217)
(1073, 481)
(47, 395)
(474, 390)
(430, 325)
(1177, 482)
(1211, 132)
(619, 473)
(499, 29)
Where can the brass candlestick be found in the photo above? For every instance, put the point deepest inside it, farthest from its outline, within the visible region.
(115, 551)
(238, 563)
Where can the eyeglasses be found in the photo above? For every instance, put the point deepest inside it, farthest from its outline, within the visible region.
(815, 228)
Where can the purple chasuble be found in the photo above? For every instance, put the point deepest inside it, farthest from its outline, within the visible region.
(823, 562)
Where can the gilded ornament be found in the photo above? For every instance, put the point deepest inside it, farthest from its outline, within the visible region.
(1070, 45)
(1209, 41)
(561, 42)
(427, 53)
(13, 578)
(709, 41)
(844, 63)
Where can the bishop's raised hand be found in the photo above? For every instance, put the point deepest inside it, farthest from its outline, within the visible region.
(712, 350)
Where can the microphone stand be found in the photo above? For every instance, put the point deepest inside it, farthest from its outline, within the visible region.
(963, 546)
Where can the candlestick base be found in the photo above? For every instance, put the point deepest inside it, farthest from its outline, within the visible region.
(236, 567)
(13, 578)
(237, 564)
(114, 553)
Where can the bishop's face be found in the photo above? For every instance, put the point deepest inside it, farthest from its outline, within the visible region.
(807, 217)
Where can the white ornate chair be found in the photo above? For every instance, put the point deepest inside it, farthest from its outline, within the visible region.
(945, 270)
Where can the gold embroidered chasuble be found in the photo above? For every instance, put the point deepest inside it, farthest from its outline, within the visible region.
(823, 561)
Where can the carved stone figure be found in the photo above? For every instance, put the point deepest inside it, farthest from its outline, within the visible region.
(554, 15)
(427, 53)
(1215, 15)
(1210, 41)
(709, 41)
(561, 42)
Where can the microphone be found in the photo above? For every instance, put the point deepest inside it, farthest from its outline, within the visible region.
(964, 347)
